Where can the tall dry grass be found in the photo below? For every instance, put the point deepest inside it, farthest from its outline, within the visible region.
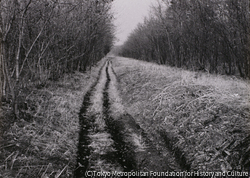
(205, 116)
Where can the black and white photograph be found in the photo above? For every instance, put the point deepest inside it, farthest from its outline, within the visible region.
(124, 88)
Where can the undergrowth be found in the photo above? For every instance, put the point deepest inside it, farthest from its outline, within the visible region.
(204, 116)
(43, 141)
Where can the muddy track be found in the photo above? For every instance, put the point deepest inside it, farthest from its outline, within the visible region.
(85, 124)
(110, 139)
(124, 151)
(178, 154)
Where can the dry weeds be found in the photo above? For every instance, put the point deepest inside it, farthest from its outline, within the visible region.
(43, 142)
(118, 111)
(205, 116)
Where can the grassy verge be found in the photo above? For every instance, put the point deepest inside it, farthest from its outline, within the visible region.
(146, 155)
(204, 116)
(43, 143)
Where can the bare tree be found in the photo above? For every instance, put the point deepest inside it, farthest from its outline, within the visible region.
(198, 35)
(42, 40)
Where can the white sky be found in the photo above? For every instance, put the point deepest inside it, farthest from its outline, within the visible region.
(128, 13)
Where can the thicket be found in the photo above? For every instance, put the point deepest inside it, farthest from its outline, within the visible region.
(211, 35)
(42, 40)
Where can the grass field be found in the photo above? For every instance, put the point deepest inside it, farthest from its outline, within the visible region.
(127, 115)
(43, 143)
(203, 118)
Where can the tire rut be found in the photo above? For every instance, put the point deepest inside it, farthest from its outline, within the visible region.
(178, 154)
(133, 142)
(124, 150)
(110, 139)
(85, 124)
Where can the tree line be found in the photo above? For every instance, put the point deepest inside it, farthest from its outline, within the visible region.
(42, 40)
(211, 35)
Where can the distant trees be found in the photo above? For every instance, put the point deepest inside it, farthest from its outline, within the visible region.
(43, 39)
(210, 35)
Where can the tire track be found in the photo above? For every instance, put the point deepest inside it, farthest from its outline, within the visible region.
(178, 154)
(124, 150)
(110, 139)
(85, 124)
(147, 154)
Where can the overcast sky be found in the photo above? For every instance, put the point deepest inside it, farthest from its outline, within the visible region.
(128, 14)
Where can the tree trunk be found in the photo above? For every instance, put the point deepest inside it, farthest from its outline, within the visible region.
(1, 65)
(1, 75)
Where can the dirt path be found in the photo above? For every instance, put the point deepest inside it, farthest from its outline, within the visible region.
(110, 139)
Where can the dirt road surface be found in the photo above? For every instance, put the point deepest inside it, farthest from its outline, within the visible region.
(111, 140)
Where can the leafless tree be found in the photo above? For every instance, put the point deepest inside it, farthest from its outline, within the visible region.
(41, 40)
(199, 35)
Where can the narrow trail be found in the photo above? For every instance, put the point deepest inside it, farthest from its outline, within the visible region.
(124, 153)
(110, 139)
(85, 123)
